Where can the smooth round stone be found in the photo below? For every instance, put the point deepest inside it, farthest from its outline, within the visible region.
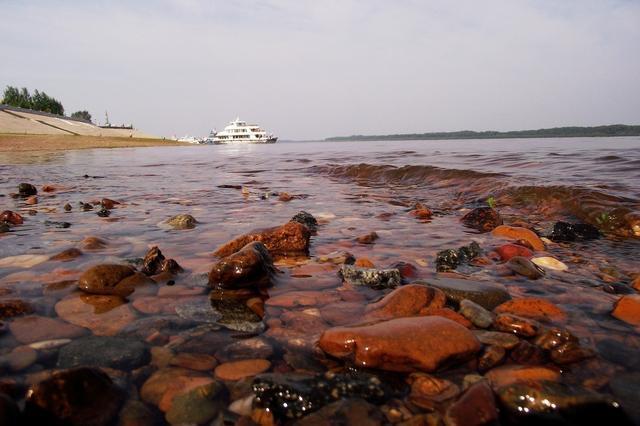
(295, 299)
(106, 280)
(19, 358)
(510, 374)
(82, 396)
(67, 255)
(483, 219)
(532, 307)
(182, 221)
(236, 370)
(406, 301)
(23, 260)
(627, 309)
(477, 406)
(10, 308)
(525, 267)
(194, 361)
(101, 320)
(346, 412)
(475, 313)
(551, 263)
(518, 233)
(198, 310)
(256, 347)
(35, 328)
(427, 390)
(486, 294)
(497, 338)
(112, 352)
(514, 324)
(165, 384)
(197, 406)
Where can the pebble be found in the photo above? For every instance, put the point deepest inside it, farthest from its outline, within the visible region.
(198, 406)
(534, 308)
(164, 385)
(255, 347)
(291, 238)
(10, 308)
(497, 338)
(26, 189)
(182, 221)
(519, 233)
(93, 243)
(103, 351)
(627, 309)
(251, 266)
(20, 358)
(49, 344)
(479, 316)
(112, 314)
(338, 258)
(507, 251)
(483, 219)
(348, 412)
(428, 391)
(510, 374)
(476, 407)
(517, 325)
(363, 262)
(374, 278)
(67, 255)
(369, 238)
(550, 263)
(293, 299)
(106, 280)
(31, 200)
(36, 328)
(403, 344)
(406, 301)
(194, 361)
(492, 356)
(23, 261)
(237, 370)
(11, 217)
(525, 267)
(484, 293)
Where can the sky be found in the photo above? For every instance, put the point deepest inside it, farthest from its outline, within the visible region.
(310, 69)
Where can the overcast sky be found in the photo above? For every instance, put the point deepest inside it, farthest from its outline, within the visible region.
(309, 69)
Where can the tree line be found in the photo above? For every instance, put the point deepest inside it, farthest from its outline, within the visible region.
(38, 101)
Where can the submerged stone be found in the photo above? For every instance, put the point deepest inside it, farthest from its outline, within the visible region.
(486, 294)
(525, 267)
(563, 231)
(449, 260)
(406, 301)
(198, 406)
(112, 352)
(483, 219)
(106, 279)
(11, 217)
(375, 278)
(519, 233)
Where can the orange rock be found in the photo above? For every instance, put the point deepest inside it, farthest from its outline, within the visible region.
(369, 238)
(477, 406)
(363, 262)
(285, 197)
(11, 217)
(49, 188)
(290, 238)
(403, 344)
(510, 374)
(406, 301)
(165, 384)
(532, 307)
(517, 233)
(507, 251)
(251, 266)
(636, 283)
(302, 298)
(236, 370)
(446, 313)
(427, 390)
(67, 255)
(35, 328)
(194, 361)
(78, 310)
(31, 200)
(627, 309)
(93, 243)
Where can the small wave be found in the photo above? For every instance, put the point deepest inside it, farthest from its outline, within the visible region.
(609, 158)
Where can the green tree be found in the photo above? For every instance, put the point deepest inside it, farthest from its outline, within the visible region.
(39, 101)
(82, 115)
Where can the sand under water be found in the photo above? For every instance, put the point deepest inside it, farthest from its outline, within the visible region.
(317, 338)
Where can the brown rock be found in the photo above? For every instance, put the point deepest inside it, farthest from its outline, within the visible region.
(518, 233)
(285, 197)
(93, 243)
(476, 407)
(363, 262)
(484, 219)
(491, 357)
(194, 361)
(108, 203)
(446, 313)
(36, 329)
(294, 299)
(627, 309)
(31, 200)
(404, 344)
(236, 370)
(11, 217)
(497, 338)
(67, 255)
(251, 266)
(510, 374)
(303, 321)
(532, 307)
(406, 301)
(152, 263)
(105, 279)
(289, 239)
(165, 384)
(81, 311)
(636, 283)
(518, 325)
(10, 308)
(369, 238)
(528, 354)
(20, 358)
(160, 305)
(507, 251)
(427, 391)
(342, 313)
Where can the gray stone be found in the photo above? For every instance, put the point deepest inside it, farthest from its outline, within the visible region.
(379, 279)
(198, 406)
(486, 294)
(475, 313)
(111, 352)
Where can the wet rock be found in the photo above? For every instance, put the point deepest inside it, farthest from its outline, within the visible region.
(363, 262)
(518, 233)
(11, 217)
(560, 404)
(93, 243)
(103, 315)
(35, 328)
(447, 313)
(476, 407)
(237, 370)
(67, 207)
(484, 219)
(182, 221)
(492, 356)
(292, 396)
(152, 263)
(532, 307)
(256, 347)
(4, 227)
(32, 200)
(137, 413)
(23, 261)
(57, 224)
(106, 280)
(517, 325)
(563, 231)
(449, 260)
(103, 212)
(67, 255)
(527, 354)
(82, 397)
(486, 294)
(20, 358)
(627, 309)
(306, 219)
(429, 391)
(26, 189)
(10, 308)
(346, 412)
(496, 338)
(547, 262)
(198, 406)
(420, 211)
(507, 251)
(525, 267)
(510, 374)
(85, 207)
(108, 204)
(291, 238)
(338, 258)
(251, 266)
(112, 352)
(407, 270)
(375, 278)
(626, 388)
(479, 316)
(404, 344)
(193, 361)
(167, 383)
(236, 315)
(9, 411)
(405, 301)
(369, 238)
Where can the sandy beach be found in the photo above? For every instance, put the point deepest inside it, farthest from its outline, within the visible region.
(21, 143)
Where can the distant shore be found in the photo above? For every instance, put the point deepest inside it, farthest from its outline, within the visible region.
(21, 143)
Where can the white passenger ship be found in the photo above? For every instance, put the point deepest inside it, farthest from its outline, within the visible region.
(239, 131)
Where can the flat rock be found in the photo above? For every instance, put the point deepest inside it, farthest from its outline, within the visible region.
(404, 344)
(237, 370)
(532, 307)
(81, 311)
(486, 294)
(518, 233)
(10, 308)
(106, 280)
(194, 361)
(374, 278)
(166, 384)
(112, 352)
(36, 328)
(627, 309)
(406, 301)
(483, 219)
(510, 374)
(289, 239)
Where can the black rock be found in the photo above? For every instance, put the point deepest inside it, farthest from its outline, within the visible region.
(85, 207)
(102, 351)
(55, 224)
(484, 219)
(378, 279)
(152, 262)
(4, 227)
(345, 412)
(26, 189)
(103, 212)
(306, 219)
(9, 411)
(564, 231)
(450, 259)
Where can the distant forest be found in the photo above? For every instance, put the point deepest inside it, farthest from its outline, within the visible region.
(556, 132)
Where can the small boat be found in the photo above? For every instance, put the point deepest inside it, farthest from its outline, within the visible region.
(239, 132)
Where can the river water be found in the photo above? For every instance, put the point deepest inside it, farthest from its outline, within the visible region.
(352, 188)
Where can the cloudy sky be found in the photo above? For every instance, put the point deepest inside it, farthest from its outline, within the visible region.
(309, 69)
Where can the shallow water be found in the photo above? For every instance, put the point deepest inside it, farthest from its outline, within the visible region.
(352, 188)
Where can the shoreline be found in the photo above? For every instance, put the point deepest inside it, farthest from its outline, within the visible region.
(25, 143)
